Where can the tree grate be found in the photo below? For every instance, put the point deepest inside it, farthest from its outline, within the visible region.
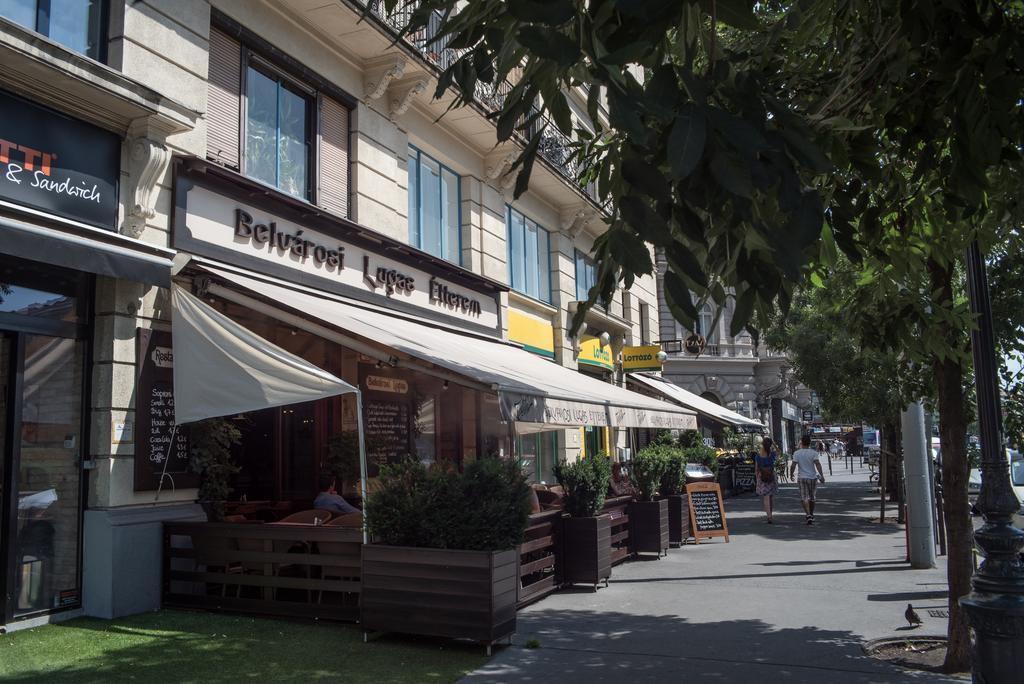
(939, 613)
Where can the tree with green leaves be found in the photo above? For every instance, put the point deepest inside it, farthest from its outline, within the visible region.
(753, 143)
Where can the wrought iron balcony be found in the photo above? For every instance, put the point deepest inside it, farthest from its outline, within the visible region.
(554, 146)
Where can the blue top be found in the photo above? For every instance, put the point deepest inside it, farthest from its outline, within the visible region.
(334, 502)
(765, 461)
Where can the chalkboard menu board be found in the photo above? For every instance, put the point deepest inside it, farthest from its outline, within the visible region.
(155, 456)
(707, 513)
(386, 425)
(745, 476)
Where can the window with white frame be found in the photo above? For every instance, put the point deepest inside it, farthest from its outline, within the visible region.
(434, 205)
(586, 275)
(708, 327)
(529, 256)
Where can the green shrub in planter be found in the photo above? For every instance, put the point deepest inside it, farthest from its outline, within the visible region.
(674, 480)
(484, 508)
(585, 482)
(647, 469)
(689, 438)
(210, 443)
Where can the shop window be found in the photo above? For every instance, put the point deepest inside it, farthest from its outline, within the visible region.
(78, 25)
(537, 454)
(529, 256)
(586, 275)
(593, 441)
(434, 201)
(274, 121)
(276, 132)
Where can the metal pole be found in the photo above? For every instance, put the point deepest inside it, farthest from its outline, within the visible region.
(362, 460)
(995, 606)
(920, 532)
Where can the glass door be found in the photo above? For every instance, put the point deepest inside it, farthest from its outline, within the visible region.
(5, 447)
(48, 482)
(43, 338)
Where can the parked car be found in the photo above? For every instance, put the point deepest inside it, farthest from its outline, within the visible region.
(1016, 481)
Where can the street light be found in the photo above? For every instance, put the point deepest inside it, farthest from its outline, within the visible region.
(995, 606)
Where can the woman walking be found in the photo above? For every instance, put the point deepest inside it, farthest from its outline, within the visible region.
(767, 483)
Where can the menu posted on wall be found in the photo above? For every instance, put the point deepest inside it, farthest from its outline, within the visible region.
(707, 512)
(386, 426)
(156, 457)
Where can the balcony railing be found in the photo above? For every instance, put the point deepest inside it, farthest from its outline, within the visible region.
(731, 351)
(554, 146)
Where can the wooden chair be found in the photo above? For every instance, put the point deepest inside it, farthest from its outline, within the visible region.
(309, 517)
(210, 552)
(340, 572)
(353, 520)
(549, 499)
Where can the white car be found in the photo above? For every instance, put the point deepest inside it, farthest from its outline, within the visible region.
(1016, 481)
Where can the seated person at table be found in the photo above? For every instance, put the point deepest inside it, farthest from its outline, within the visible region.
(330, 499)
(620, 484)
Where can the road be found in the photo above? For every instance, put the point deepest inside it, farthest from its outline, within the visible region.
(785, 602)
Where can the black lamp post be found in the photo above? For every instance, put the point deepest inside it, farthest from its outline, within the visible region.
(995, 606)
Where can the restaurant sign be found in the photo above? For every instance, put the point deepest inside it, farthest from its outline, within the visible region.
(223, 228)
(58, 164)
(529, 408)
(641, 358)
(524, 408)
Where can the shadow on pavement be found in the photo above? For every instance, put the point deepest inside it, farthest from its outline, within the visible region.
(592, 647)
(844, 511)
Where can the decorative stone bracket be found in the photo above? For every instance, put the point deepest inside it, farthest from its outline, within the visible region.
(576, 219)
(498, 167)
(401, 94)
(380, 73)
(148, 158)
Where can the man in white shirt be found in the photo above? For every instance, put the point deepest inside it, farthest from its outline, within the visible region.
(806, 459)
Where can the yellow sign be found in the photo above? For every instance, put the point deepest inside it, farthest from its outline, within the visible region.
(535, 335)
(593, 354)
(641, 358)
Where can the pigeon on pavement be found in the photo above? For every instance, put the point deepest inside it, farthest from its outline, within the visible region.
(912, 617)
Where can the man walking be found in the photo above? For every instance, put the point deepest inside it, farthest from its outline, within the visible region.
(806, 459)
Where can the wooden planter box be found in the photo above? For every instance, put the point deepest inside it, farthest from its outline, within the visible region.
(586, 550)
(678, 519)
(650, 526)
(440, 592)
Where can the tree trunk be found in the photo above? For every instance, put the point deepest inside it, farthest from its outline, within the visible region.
(949, 375)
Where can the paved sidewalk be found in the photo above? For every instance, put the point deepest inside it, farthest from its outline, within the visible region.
(779, 603)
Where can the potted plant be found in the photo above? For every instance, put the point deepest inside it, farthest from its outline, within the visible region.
(343, 459)
(210, 443)
(648, 515)
(586, 535)
(445, 559)
(673, 489)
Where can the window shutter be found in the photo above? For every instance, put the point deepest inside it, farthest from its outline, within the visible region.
(223, 100)
(333, 194)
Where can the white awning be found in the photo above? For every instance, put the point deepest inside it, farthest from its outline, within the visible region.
(530, 388)
(222, 368)
(690, 400)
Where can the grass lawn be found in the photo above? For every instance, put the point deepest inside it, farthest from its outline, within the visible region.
(173, 646)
